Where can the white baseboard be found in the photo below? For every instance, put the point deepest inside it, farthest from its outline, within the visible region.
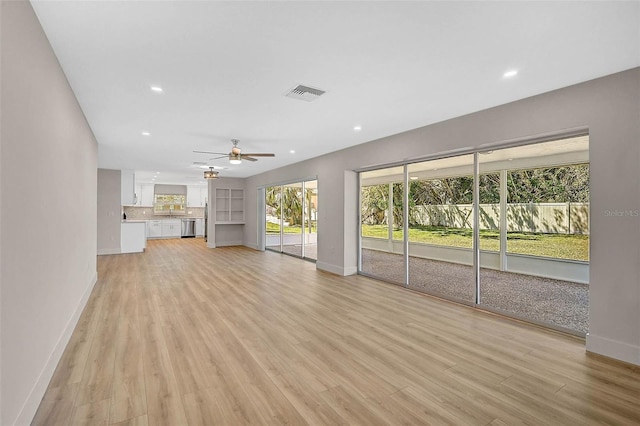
(28, 410)
(251, 246)
(338, 270)
(229, 243)
(102, 252)
(613, 349)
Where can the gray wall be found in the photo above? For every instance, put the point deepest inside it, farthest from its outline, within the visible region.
(48, 209)
(109, 197)
(607, 107)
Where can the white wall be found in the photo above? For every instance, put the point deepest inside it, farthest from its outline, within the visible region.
(108, 216)
(607, 107)
(48, 212)
(1, 257)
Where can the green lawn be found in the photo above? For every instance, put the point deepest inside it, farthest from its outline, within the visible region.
(561, 246)
(274, 228)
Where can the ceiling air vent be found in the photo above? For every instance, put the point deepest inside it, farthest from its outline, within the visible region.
(304, 93)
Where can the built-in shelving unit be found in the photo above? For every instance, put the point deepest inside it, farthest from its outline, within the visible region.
(229, 206)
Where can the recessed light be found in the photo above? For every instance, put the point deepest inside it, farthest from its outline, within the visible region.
(357, 128)
(146, 134)
(292, 151)
(510, 73)
(157, 89)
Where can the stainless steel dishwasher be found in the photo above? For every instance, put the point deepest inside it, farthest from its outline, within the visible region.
(188, 228)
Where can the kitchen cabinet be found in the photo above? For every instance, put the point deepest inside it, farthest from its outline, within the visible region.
(155, 229)
(144, 194)
(171, 228)
(138, 194)
(127, 187)
(133, 237)
(197, 196)
(229, 206)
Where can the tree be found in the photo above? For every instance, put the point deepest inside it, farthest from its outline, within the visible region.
(541, 185)
(549, 185)
(374, 200)
(287, 202)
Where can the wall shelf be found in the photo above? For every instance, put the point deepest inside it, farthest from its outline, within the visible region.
(229, 206)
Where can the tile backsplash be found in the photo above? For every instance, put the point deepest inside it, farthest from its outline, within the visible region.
(146, 213)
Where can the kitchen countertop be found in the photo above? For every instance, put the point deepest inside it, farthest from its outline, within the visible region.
(156, 218)
(159, 217)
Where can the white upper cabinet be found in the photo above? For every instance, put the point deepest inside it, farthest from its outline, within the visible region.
(128, 187)
(139, 197)
(144, 195)
(138, 194)
(196, 196)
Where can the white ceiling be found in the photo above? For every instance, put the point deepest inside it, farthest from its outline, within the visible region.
(386, 66)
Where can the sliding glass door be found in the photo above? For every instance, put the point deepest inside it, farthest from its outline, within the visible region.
(441, 227)
(536, 265)
(291, 219)
(310, 217)
(504, 229)
(292, 226)
(273, 218)
(381, 224)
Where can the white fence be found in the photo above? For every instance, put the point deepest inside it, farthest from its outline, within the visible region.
(553, 218)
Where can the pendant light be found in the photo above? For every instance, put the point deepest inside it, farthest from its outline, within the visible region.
(211, 174)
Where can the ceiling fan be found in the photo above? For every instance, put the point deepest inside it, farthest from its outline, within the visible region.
(236, 156)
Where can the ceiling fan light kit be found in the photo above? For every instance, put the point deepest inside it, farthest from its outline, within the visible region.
(236, 156)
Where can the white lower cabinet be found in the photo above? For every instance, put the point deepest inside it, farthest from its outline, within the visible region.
(155, 229)
(133, 236)
(166, 228)
(171, 228)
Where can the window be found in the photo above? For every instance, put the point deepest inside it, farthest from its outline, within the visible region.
(169, 204)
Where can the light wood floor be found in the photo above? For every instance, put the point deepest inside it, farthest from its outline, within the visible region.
(184, 335)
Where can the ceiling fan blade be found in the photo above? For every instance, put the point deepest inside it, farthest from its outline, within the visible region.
(217, 158)
(209, 152)
(260, 155)
(244, 157)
